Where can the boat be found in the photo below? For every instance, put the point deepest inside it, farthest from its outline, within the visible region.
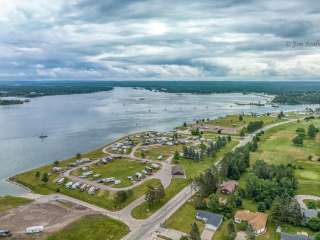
(43, 136)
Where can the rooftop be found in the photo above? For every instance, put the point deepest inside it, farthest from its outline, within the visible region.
(210, 218)
(257, 220)
(287, 236)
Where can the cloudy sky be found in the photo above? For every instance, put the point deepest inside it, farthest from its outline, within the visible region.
(159, 39)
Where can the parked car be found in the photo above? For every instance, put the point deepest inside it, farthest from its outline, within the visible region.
(5, 233)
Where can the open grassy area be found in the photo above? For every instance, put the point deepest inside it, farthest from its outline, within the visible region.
(183, 218)
(193, 168)
(118, 168)
(153, 152)
(96, 227)
(276, 147)
(102, 198)
(231, 121)
(8, 202)
(144, 211)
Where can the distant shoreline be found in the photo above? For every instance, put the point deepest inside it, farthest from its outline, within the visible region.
(285, 92)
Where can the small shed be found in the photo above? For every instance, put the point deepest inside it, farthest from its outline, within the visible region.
(177, 170)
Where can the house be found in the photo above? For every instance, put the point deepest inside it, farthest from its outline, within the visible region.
(257, 220)
(228, 187)
(177, 171)
(34, 229)
(212, 220)
(287, 236)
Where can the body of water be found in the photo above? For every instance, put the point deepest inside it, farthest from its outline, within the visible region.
(79, 123)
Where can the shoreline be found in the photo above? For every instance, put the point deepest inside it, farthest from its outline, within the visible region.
(11, 180)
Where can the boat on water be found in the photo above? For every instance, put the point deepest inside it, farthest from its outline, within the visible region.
(43, 136)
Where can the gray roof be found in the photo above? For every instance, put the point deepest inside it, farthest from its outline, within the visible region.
(287, 236)
(310, 213)
(177, 170)
(210, 218)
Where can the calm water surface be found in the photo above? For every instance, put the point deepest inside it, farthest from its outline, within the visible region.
(78, 123)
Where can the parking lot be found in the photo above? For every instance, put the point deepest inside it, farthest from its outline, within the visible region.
(53, 216)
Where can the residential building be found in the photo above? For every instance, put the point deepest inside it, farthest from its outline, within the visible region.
(257, 220)
(212, 220)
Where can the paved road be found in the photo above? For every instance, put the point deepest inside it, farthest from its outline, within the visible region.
(145, 229)
(164, 174)
(301, 198)
(152, 224)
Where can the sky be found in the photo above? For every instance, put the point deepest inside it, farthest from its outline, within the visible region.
(159, 39)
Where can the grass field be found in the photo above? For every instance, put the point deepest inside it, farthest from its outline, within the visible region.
(119, 169)
(8, 202)
(276, 147)
(193, 168)
(153, 152)
(102, 198)
(144, 211)
(96, 227)
(231, 121)
(183, 218)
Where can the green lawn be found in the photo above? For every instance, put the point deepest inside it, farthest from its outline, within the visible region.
(96, 227)
(183, 218)
(8, 202)
(153, 152)
(193, 168)
(144, 211)
(118, 168)
(102, 198)
(222, 232)
(276, 147)
(233, 120)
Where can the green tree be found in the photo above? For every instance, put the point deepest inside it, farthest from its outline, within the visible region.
(281, 115)
(45, 177)
(240, 117)
(312, 131)
(314, 224)
(298, 140)
(195, 233)
(242, 132)
(78, 155)
(317, 236)
(231, 229)
(37, 175)
(154, 194)
(250, 233)
(213, 203)
(176, 156)
(120, 197)
(261, 207)
(184, 238)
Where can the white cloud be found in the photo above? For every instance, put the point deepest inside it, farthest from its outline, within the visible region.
(97, 39)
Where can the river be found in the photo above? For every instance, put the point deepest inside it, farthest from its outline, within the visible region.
(82, 122)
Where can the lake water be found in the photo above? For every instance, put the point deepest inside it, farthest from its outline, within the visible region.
(79, 123)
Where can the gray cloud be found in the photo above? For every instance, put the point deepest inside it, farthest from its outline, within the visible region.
(140, 39)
